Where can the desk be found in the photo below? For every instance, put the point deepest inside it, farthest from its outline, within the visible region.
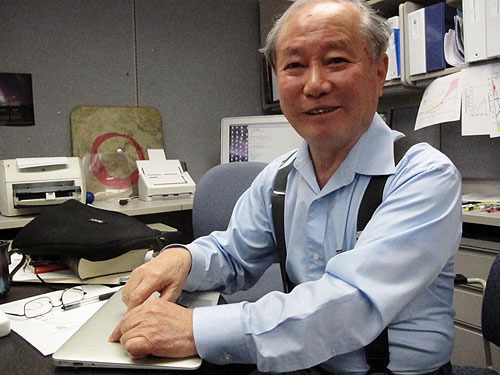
(19, 357)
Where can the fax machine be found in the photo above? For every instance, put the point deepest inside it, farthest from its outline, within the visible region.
(27, 185)
(163, 179)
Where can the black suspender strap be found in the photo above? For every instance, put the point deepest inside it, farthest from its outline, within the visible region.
(377, 352)
(278, 209)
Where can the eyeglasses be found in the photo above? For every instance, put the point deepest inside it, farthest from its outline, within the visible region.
(43, 305)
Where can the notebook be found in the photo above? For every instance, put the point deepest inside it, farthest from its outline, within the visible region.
(89, 346)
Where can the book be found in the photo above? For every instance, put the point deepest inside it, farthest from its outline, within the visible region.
(85, 269)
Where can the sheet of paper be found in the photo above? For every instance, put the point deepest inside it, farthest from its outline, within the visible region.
(481, 100)
(156, 154)
(40, 162)
(441, 101)
(48, 332)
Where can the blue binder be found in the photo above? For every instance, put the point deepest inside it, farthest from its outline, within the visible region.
(438, 20)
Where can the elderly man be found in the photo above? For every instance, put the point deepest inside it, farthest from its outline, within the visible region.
(329, 58)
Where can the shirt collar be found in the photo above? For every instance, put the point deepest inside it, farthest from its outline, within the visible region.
(372, 155)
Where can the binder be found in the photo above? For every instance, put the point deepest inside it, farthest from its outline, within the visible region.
(416, 31)
(393, 50)
(492, 28)
(474, 13)
(438, 20)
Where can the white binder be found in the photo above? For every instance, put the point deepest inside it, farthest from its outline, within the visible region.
(474, 13)
(492, 28)
(416, 31)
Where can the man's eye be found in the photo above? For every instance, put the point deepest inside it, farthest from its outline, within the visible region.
(293, 65)
(336, 60)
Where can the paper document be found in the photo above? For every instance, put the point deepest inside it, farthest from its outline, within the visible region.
(48, 332)
(481, 100)
(40, 162)
(441, 102)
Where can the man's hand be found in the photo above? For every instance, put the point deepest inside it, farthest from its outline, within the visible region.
(166, 274)
(157, 327)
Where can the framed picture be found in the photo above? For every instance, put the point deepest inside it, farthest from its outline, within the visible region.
(16, 100)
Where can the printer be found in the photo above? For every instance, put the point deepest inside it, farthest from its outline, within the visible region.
(160, 178)
(28, 185)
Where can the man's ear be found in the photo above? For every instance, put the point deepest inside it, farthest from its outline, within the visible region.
(382, 65)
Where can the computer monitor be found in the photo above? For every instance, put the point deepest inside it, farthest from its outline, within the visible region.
(256, 138)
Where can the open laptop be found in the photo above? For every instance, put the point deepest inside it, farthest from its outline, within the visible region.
(89, 346)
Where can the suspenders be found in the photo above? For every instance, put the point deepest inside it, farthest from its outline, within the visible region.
(377, 352)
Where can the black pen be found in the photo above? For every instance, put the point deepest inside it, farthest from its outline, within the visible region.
(101, 297)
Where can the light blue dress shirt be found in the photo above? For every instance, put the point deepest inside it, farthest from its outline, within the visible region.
(398, 273)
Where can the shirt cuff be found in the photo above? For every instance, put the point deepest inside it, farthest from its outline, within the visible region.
(219, 334)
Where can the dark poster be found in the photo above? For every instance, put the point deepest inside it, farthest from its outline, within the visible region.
(16, 100)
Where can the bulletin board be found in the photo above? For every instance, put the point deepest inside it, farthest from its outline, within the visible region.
(109, 140)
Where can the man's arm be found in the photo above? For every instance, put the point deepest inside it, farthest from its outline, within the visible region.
(400, 254)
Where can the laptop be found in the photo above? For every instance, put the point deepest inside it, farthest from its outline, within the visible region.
(89, 346)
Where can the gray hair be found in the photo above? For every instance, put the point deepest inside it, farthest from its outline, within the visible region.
(373, 28)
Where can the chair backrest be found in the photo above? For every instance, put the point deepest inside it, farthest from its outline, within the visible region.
(490, 316)
(217, 192)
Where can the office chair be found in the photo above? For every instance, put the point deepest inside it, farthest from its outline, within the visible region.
(214, 199)
(490, 317)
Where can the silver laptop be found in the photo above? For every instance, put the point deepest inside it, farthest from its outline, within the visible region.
(89, 346)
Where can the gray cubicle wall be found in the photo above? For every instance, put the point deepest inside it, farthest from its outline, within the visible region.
(476, 157)
(196, 61)
(78, 52)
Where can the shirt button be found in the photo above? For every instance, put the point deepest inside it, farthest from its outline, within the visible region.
(226, 357)
(316, 256)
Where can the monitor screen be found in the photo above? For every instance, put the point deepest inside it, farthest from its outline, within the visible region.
(256, 138)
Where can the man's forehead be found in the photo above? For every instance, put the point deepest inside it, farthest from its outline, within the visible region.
(294, 47)
(333, 17)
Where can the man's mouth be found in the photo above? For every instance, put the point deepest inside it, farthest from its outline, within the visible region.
(320, 111)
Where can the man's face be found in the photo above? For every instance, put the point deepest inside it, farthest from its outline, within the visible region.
(328, 83)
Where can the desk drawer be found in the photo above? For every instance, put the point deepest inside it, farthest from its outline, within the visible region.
(474, 263)
(467, 304)
(469, 349)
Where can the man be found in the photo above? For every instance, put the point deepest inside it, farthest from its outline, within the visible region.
(329, 57)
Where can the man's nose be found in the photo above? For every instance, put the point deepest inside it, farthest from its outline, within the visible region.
(317, 83)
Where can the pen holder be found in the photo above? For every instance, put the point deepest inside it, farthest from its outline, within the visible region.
(5, 280)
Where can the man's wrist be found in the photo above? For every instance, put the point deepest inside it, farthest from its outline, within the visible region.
(181, 254)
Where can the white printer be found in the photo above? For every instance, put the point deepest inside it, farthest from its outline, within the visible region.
(160, 178)
(29, 184)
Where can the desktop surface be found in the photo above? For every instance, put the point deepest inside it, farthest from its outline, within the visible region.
(19, 357)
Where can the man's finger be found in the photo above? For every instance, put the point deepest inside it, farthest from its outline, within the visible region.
(137, 347)
(116, 334)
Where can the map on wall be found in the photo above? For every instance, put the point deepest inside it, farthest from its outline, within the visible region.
(109, 140)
